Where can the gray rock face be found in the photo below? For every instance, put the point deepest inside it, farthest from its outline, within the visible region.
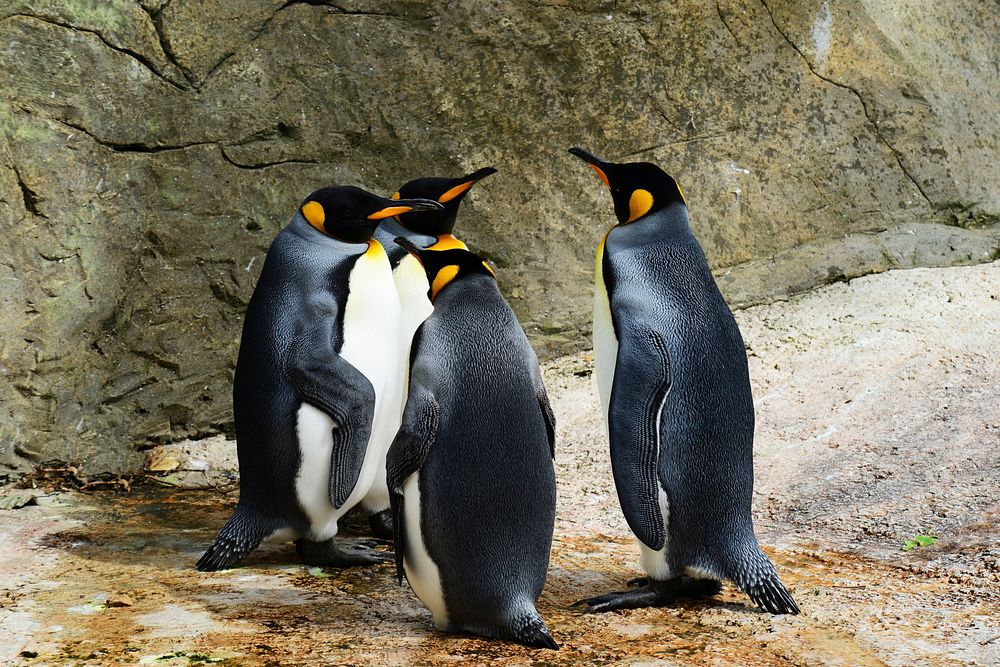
(151, 151)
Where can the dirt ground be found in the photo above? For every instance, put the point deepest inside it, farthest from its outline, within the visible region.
(878, 420)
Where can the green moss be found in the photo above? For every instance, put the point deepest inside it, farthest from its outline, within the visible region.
(109, 15)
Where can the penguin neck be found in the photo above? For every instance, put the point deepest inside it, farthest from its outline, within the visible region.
(301, 228)
(666, 225)
(474, 287)
(390, 228)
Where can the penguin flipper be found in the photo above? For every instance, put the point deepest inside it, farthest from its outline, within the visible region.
(407, 453)
(329, 382)
(543, 403)
(641, 383)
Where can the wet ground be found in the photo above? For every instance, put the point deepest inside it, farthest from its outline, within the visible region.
(877, 422)
(73, 564)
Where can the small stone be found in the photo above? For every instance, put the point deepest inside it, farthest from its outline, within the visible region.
(119, 601)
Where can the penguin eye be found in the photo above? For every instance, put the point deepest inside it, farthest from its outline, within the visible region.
(639, 204)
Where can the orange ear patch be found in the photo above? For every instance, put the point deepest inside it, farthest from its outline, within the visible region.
(443, 277)
(455, 191)
(314, 214)
(490, 269)
(639, 204)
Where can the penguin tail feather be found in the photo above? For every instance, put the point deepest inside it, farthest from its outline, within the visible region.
(757, 578)
(241, 535)
(772, 595)
(535, 634)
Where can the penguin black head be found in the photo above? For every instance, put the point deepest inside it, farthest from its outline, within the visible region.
(637, 188)
(444, 266)
(448, 192)
(351, 214)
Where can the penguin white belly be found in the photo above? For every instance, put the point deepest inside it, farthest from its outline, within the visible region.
(370, 344)
(605, 340)
(410, 281)
(655, 562)
(421, 571)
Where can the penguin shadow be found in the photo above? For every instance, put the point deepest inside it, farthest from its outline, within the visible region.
(567, 589)
(169, 530)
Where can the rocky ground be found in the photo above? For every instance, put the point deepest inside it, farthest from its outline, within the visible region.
(877, 422)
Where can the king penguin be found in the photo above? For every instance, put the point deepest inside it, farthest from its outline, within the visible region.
(434, 229)
(470, 471)
(307, 393)
(675, 389)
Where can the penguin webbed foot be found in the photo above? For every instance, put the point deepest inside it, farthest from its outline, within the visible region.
(650, 593)
(633, 599)
(340, 553)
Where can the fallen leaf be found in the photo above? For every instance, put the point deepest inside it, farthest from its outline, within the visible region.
(319, 573)
(163, 462)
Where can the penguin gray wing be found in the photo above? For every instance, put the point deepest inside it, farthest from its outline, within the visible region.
(330, 383)
(407, 453)
(641, 382)
(543, 403)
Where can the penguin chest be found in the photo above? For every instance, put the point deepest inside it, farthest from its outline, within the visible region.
(411, 286)
(371, 344)
(421, 571)
(605, 340)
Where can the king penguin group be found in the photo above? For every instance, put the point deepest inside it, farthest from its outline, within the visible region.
(380, 368)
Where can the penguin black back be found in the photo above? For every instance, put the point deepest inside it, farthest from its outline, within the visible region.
(471, 470)
(673, 376)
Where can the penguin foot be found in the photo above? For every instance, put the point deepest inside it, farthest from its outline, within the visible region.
(651, 593)
(381, 524)
(635, 599)
(338, 553)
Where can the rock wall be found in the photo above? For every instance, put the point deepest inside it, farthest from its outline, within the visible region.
(152, 149)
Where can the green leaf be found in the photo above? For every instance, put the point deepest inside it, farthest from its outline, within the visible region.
(919, 541)
(319, 573)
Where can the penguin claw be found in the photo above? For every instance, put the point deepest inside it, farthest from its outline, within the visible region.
(638, 581)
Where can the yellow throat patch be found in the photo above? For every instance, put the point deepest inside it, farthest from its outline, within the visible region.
(448, 242)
